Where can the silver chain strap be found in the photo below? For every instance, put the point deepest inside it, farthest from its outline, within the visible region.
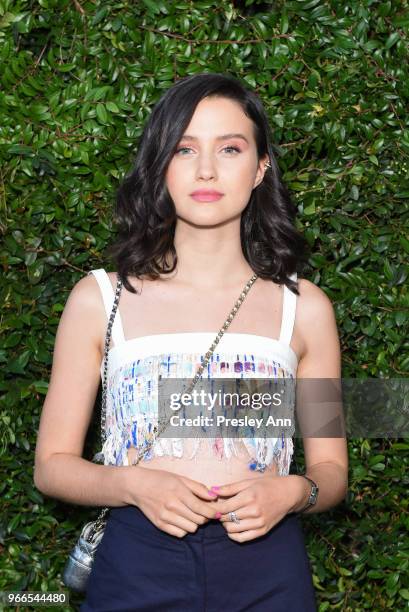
(100, 520)
(106, 350)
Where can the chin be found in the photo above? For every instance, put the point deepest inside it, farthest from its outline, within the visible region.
(208, 214)
(208, 220)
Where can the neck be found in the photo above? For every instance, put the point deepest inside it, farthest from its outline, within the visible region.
(210, 257)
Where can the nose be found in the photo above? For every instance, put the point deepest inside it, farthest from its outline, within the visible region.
(206, 167)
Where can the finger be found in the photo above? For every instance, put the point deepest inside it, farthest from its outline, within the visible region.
(247, 524)
(172, 530)
(242, 512)
(198, 488)
(245, 536)
(233, 488)
(239, 501)
(241, 515)
(187, 506)
(179, 521)
(225, 518)
(199, 507)
(195, 517)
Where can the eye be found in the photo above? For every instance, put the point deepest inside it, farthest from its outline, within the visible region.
(232, 148)
(182, 149)
(236, 149)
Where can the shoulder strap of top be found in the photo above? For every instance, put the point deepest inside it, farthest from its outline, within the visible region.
(108, 296)
(288, 316)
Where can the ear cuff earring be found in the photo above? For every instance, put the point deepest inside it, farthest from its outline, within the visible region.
(267, 165)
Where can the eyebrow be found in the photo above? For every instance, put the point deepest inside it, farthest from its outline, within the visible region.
(223, 137)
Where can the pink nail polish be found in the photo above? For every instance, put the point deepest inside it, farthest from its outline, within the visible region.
(213, 493)
(215, 488)
(218, 515)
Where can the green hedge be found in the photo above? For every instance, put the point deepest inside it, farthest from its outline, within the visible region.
(78, 80)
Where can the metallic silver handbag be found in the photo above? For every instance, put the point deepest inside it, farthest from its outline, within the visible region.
(79, 564)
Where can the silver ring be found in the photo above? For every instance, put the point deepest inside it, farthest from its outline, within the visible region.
(233, 517)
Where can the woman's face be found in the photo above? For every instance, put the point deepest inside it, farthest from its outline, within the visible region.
(217, 153)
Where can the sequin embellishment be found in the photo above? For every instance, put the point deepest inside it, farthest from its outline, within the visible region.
(131, 415)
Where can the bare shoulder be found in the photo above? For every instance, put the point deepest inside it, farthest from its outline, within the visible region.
(313, 301)
(86, 291)
(314, 306)
(315, 316)
(316, 326)
(85, 307)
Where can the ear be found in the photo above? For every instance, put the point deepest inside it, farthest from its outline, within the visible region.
(261, 169)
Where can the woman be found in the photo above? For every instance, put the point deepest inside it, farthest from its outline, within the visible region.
(196, 524)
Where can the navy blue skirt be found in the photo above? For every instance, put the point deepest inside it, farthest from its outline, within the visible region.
(139, 567)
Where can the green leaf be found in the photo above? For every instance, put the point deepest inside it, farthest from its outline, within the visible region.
(401, 317)
(12, 339)
(17, 366)
(65, 67)
(404, 243)
(41, 386)
(354, 192)
(100, 15)
(284, 23)
(152, 6)
(20, 150)
(101, 113)
(111, 106)
(310, 209)
(392, 39)
(309, 4)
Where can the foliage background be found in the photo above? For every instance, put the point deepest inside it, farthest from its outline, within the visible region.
(78, 80)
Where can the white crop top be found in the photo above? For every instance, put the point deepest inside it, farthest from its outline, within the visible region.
(134, 367)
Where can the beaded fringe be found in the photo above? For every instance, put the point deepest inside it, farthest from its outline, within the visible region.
(278, 450)
(135, 392)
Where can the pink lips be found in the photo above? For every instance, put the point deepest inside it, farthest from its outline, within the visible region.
(206, 195)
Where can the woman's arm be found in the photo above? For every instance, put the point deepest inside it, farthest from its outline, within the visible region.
(326, 459)
(175, 504)
(60, 471)
(260, 503)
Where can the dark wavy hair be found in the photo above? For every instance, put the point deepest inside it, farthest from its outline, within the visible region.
(146, 215)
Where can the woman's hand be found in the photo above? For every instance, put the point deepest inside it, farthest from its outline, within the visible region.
(175, 504)
(259, 504)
